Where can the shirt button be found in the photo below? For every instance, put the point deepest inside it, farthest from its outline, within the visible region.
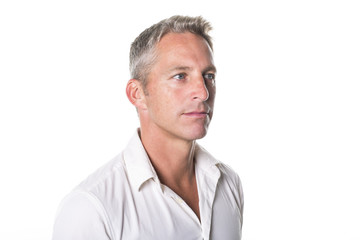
(179, 200)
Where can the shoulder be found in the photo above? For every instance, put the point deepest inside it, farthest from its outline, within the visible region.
(230, 183)
(113, 172)
(77, 212)
(108, 186)
(228, 177)
(228, 173)
(207, 160)
(87, 211)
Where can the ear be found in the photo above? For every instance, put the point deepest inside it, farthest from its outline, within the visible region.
(135, 93)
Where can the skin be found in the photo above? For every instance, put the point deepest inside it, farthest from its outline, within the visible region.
(176, 109)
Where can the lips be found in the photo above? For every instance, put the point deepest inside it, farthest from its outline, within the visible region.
(196, 114)
(200, 111)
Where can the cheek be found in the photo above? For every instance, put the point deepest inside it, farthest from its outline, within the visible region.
(161, 103)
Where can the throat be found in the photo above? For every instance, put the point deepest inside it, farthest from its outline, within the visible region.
(189, 194)
(174, 164)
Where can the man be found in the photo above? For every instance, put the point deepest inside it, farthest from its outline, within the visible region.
(163, 185)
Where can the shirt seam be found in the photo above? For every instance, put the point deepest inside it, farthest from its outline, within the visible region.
(98, 205)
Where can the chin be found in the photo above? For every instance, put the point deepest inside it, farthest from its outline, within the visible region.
(195, 134)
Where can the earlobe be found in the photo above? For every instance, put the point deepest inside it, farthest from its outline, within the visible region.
(135, 94)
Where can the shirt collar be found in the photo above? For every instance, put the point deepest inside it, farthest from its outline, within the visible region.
(137, 162)
(140, 169)
(206, 162)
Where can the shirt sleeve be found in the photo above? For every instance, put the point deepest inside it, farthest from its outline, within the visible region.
(81, 216)
(241, 197)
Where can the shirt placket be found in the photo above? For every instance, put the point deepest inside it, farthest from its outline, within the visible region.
(207, 189)
(181, 203)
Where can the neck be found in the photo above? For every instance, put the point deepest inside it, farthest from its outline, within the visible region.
(172, 158)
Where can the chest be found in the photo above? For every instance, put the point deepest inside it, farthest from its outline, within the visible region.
(164, 215)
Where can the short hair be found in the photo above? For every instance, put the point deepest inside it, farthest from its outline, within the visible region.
(143, 49)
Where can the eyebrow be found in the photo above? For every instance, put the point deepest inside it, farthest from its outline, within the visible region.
(185, 68)
(210, 68)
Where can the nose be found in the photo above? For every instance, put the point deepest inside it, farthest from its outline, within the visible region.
(200, 90)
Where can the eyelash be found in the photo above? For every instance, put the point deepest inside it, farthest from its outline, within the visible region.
(208, 76)
(180, 74)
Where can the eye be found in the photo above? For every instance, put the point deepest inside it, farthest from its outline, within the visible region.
(180, 76)
(209, 76)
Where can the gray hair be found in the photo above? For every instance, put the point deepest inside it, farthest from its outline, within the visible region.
(143, 49)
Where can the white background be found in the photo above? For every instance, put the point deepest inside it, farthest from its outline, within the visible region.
(286, 118)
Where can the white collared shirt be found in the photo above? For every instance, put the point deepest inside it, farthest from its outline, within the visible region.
(125, 200)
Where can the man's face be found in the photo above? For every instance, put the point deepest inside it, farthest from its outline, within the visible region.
(181, 87)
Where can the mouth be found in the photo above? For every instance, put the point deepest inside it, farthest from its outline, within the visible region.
(196, 114)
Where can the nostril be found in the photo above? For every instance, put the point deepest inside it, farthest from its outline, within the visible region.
(202, 92)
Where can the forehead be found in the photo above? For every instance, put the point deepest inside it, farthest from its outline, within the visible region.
(184, 47)
(178, 38)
